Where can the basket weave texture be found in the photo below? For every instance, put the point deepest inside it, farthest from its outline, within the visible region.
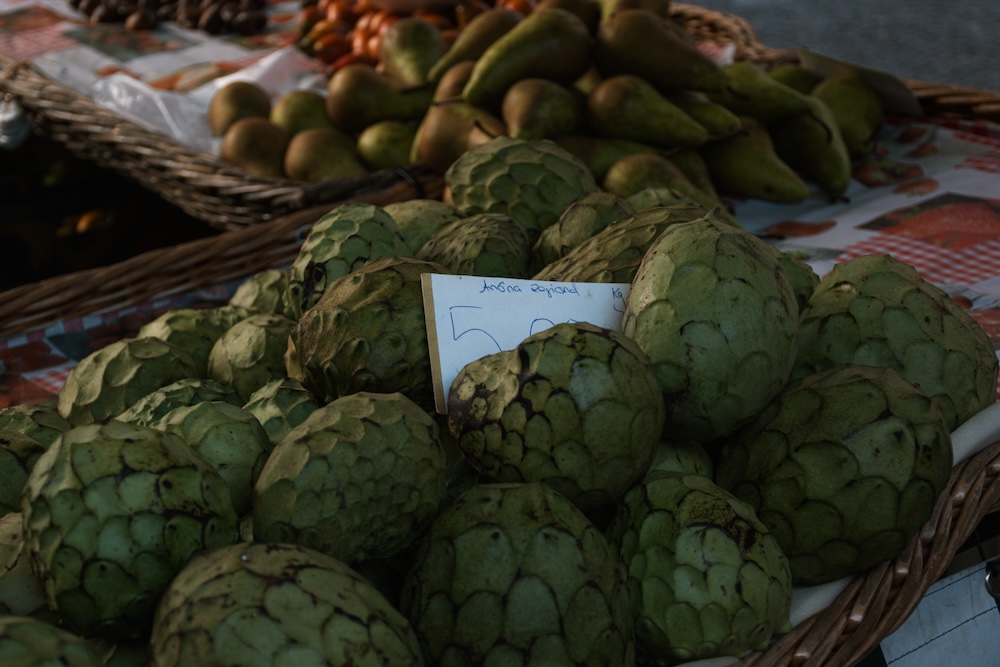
(869, 609)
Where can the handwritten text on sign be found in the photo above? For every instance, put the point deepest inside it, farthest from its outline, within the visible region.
(470, 317)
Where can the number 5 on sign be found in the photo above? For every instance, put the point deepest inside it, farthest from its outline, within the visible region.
(470, 317)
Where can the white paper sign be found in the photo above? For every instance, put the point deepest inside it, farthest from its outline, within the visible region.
(470, 317)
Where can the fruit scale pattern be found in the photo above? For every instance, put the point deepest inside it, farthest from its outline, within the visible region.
(643, 494)
(648, 494)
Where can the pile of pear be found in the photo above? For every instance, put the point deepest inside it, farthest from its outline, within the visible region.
(618, 83)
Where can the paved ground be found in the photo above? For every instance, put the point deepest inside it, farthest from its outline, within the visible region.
(933, 40)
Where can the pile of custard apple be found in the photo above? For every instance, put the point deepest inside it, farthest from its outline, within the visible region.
(267, 482)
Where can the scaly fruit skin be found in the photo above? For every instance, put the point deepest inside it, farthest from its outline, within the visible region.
(260, 605)
(716, 314)
(574, 406)
(263, 292)
(844, 467)
(339, 242)
(281, 405)
(251, 353)
(189, 391)
(29, 642)
(531, 180)
(684, 456)
(108, 381)
(194, 330)
(802, 276)
(111, 512)
(878, 311)
(482, 244)
(18, 455)
(419, 219)
(515, 574)
(613, 255)
(228, 437)
(367, 333)
(39, 421)
(705, 577)
(585, 217)
(359, 479)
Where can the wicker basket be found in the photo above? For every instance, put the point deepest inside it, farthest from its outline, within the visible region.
(225, 197)
(198, 183)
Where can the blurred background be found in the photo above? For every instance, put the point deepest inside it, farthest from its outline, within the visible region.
(932, 40)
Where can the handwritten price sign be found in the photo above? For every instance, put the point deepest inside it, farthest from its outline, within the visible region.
(470, 317)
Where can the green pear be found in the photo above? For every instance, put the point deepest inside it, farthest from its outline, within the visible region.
(796, 76)
(640, 42)
(551, 43)
(236, 100)
(811, 143)
(357, 96)
(626, 106)
(319, 153)
(387, 143)
(659, 7)
(751, 91)
(717, 119)
(256, 145)
(482, 30)
(747, 165)
(541, 109)
(409, 48)
(691, 162)
(643, 171)
(856, 106)
(300, 109)
(599, 153)
(588, 10)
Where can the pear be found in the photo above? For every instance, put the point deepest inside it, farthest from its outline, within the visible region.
(659, 7)
(409, 48)
(482, 30)
(715, 118)
(588, 10)
(357, 96)
(647, 171)
(751, 91)
(811, 143)
(300, 109)
(322, 153)
(599, 153)
(255, 145)
(640, 42)
(588, 80)
(451, 128)
(387, 143)
(551, 43)
(449, 86)
(856, 106)
(236, 100)
(541, 109)
(796, 76)
(746, 164)
(626, 106)
(691, 162)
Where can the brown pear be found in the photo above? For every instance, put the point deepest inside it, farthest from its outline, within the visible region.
(451, 128)
(357, 96)
(235, 100)
(257, 146)
(317, 154)
(542, 109)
